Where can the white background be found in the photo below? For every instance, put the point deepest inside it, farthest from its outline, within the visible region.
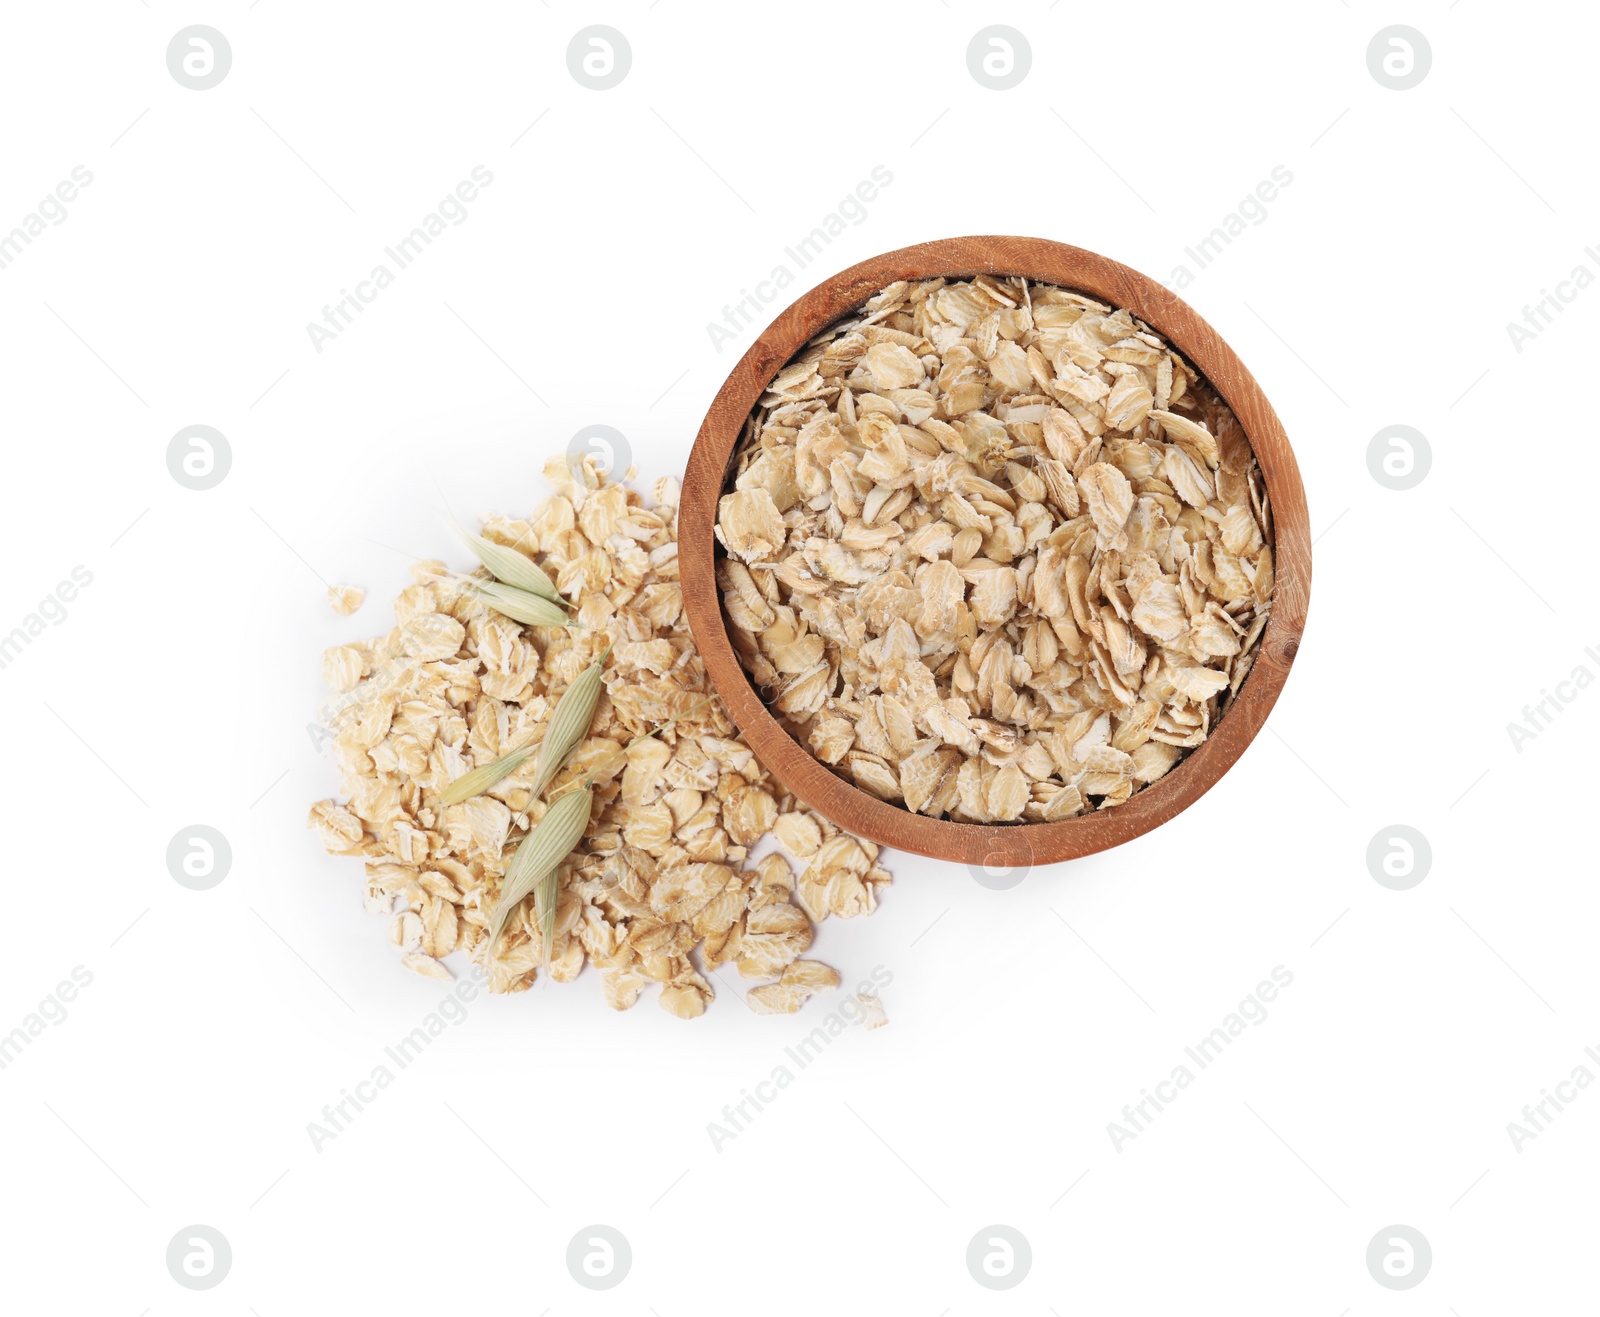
(178, 688)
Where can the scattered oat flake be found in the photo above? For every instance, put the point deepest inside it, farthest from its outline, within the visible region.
(419, 963)
(800, 981)
(345, 599)
(872, 1013)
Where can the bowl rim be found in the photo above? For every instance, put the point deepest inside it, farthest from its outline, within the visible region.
(1009, 845)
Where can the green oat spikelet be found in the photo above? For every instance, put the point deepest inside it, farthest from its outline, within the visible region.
(519, 605)
(570, 723)
(537, 864)
(480, 779)
(512, 568)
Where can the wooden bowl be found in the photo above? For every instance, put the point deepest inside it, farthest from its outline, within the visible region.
(1015, 844)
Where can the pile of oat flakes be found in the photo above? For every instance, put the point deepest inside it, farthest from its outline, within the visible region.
(665, 867)
(994, 551)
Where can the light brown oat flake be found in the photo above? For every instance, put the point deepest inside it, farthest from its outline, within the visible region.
(872, 1013)
(801, 980)
(345, 599)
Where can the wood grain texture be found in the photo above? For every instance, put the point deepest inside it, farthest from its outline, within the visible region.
(1004, 844)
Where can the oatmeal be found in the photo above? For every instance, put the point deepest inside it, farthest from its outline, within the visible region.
(994, 551)
(662, 888)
